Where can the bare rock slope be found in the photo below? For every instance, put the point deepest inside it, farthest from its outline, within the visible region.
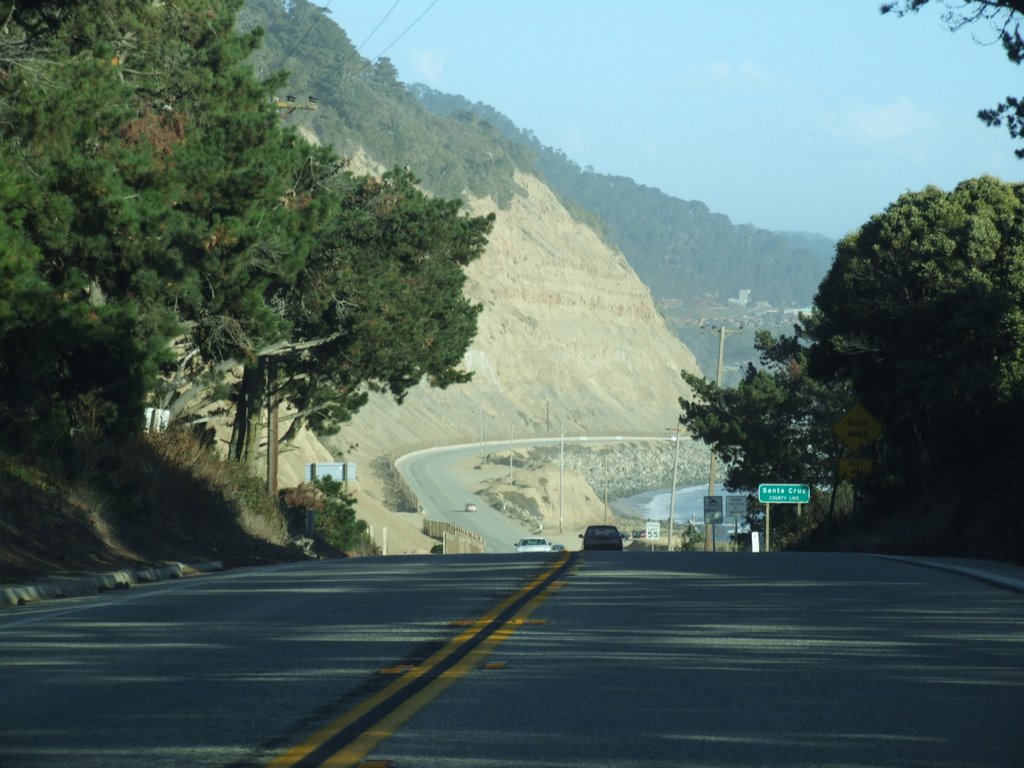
(568, 336)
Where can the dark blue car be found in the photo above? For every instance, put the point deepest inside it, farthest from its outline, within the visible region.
(601, 537)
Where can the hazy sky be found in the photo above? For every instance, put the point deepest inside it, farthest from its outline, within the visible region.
(807, 115)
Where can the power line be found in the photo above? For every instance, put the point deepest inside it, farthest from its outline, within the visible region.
(393, 42)
(379, 25)
(355, 51)
(417, 21)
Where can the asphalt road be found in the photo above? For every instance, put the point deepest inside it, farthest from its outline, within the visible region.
(618, 659)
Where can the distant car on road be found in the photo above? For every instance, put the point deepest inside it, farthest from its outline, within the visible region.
(471, 507)
(558, 547)
(533, 545)
(601, 537)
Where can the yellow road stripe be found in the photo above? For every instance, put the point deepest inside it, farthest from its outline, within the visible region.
(347, 757)
(389, 724)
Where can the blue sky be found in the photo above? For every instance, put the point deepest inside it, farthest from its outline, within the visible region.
(806, 115)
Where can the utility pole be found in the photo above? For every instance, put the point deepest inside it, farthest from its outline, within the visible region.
(288, 105)
(605, 488)
(722, 332)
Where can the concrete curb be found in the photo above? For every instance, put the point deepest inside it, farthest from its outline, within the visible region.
(72, 585)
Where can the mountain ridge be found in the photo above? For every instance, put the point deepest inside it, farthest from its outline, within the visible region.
(680, 248)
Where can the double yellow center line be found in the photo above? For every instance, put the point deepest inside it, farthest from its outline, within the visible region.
(349, 738)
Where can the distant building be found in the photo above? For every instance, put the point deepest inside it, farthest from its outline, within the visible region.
(743, 299)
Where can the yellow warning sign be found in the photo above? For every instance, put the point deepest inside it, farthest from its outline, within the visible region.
(850, 469)
(857, 428)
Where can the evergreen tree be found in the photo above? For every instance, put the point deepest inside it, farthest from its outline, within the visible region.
(923, 311)
(149, 160)
(380, 302)
(777, 422)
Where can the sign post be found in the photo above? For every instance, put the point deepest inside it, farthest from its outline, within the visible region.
(783, 493)
(779, 493)
(713, 509)
(653, 532)
(857, 428)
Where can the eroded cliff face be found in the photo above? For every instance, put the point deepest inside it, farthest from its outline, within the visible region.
(569, 336)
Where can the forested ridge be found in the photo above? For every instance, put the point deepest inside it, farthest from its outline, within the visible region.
(680, 249)
(364, 105)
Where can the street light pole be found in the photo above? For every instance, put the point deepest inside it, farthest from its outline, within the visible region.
(561, 476)
(672, 497)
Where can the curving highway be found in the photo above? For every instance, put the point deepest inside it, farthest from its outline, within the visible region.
(441, 478)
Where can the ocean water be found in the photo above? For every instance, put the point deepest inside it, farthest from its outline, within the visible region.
(655, 505)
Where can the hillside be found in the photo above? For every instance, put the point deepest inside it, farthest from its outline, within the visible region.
(569, 336)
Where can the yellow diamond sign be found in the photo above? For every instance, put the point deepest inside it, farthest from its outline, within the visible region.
(857, 428)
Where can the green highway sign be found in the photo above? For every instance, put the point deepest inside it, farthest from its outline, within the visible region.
(783, 493)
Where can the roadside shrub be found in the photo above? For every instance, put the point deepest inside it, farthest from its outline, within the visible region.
(335, 512)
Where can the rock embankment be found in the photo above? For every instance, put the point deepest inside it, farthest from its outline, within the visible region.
(554, 493)
(627, 468)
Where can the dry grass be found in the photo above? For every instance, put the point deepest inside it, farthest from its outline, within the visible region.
(154, 500)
